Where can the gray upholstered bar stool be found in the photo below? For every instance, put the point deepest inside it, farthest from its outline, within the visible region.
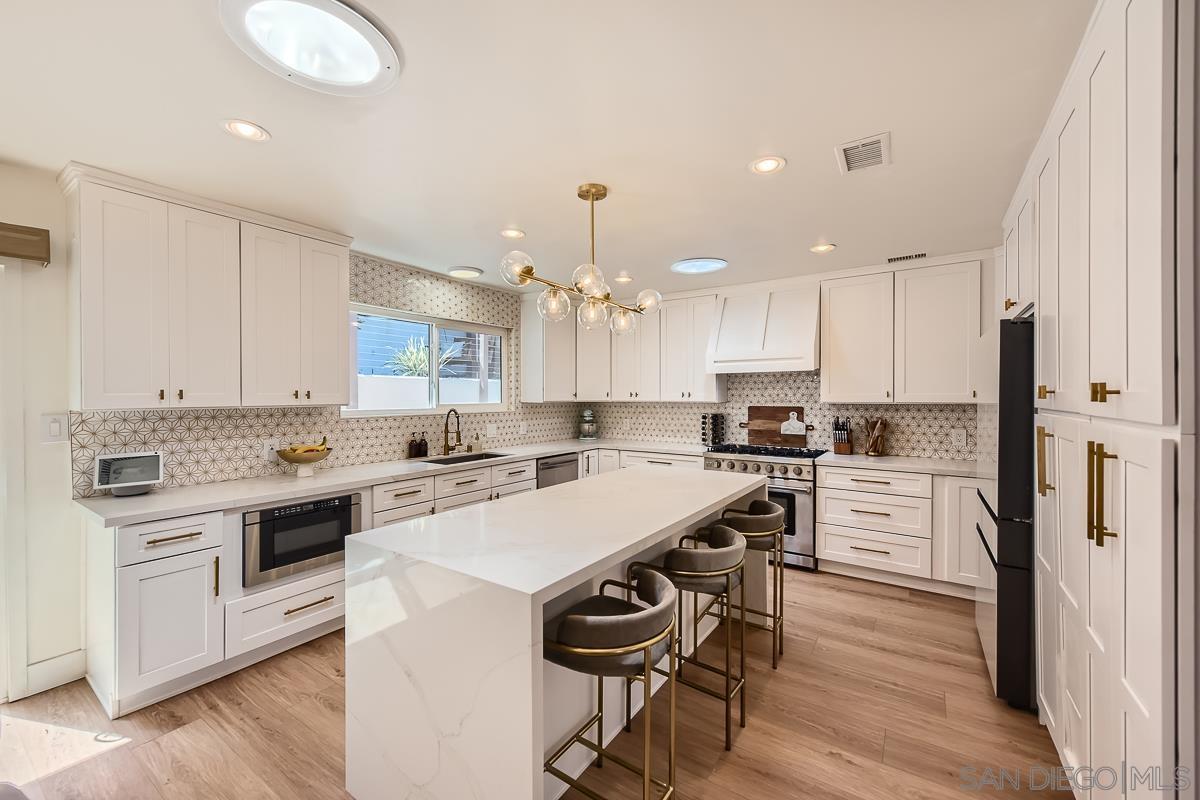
(763, 524)
(608, 636)
(715, 569)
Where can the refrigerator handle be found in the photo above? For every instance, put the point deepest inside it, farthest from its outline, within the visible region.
(986, 507)
(986, 547)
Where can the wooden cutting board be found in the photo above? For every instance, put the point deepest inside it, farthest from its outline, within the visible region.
(764, 426)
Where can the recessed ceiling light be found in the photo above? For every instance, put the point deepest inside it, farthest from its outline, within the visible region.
(512, 233)
(823, 247)
(767, 165)
(623, 277)
(246, 130)
(466, 273)
(698, 266)
(320, 44)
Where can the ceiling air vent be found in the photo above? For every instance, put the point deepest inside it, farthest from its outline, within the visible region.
(873, 151)
(909, 257)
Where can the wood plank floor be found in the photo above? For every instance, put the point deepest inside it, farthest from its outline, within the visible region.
(882, 691)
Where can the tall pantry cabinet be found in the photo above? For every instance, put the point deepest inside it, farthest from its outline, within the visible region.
(1092, 231)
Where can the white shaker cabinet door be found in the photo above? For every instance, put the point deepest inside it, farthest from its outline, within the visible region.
(856, 339)
(958, 555)
(649, 343)
(703, 386)
(170, 619)
(676, 349)
(124, 299)
(559, 360)
(626, 366)
(937, 324)
(1071, 154)
(325, 325)
(271, 317)
(593, 366)
(1046, 281)
(205, 303)
(1045, 576)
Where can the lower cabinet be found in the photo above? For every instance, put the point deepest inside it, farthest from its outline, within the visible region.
(589, 463)
(461, 500)
(610, 460)
(634, 458)
(381, 518)
(169, 620)
(514, 488)
(958, 555)
(905, 555)
(274, 614)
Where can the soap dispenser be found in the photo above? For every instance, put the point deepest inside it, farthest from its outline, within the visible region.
(414, 449)
(422, 446)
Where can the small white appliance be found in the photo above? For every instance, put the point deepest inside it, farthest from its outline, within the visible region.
(128, 473)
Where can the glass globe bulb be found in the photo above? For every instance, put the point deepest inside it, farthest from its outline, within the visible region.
(623, 322)
(603, 290)
(592, 314)
(554, 305)
(516, 267)
(588, 279)
(649, 301)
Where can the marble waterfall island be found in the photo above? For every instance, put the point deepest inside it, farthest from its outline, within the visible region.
(447, 695)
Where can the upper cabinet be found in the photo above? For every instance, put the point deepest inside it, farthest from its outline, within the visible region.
(766, 328)
(856, 339)
(686, 325)
(547, 356)
(179, 302)
(593, 363)
(635, 361)
(1015, 273)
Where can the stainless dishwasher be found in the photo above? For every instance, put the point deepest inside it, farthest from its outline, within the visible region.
(557, 469)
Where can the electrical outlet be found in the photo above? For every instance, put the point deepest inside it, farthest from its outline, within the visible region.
(491, 430)
(269, 446)
(958, 437)
(524, 427)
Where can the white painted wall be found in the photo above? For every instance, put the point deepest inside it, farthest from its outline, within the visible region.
(41, 534)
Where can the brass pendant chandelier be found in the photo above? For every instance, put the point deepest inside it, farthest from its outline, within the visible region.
(587, 283)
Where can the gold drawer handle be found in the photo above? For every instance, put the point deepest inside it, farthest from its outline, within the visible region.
(870, 480)
(875, 513)
(409, 493)
(177, 538)
(464, 483)
(1099, 392)
(871, 550)
(308, 605)
(1044, 392)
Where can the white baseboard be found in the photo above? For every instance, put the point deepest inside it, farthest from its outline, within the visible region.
(53, 672)
(907, 581)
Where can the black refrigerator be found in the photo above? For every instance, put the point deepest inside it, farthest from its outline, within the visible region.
(1005, 615)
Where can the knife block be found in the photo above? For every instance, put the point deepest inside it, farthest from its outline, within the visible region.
(845, 448)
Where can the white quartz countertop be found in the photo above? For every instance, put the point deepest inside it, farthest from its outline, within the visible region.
(542, 543)
(246, 492)
(930, 466)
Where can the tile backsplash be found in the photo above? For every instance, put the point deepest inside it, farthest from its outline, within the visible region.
(912, 430)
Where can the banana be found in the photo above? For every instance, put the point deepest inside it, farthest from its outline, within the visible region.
(311, 448)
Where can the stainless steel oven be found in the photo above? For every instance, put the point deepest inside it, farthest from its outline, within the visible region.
(799, 538)
(283, 541)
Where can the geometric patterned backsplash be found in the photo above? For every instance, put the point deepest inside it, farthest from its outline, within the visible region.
(922, 430)
(209, 445)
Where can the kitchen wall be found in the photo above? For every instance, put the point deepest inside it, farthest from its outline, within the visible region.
(912, 430)
(209, 445)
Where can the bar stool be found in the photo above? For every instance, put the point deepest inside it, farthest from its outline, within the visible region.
(712, 570)
(609, 636)
(763, 524)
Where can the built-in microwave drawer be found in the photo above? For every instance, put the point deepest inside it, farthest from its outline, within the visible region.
(401, 493)
(268, 616)
(906, 555)
(460, 482)
(514, 473)
(909, 484)
(147, 541)
(908, 516)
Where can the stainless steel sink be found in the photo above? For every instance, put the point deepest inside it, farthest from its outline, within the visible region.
(462, 458)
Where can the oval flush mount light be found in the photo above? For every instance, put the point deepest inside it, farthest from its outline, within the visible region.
(623, 277)
(320, 44)
(244, 129)
(512, 233)
(823, 247)
(466, 273)
(767, 165)
(698, 266)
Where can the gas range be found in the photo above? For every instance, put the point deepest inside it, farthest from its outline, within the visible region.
(791, 463)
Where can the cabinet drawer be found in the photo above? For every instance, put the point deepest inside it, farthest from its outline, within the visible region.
(514, 488)
(907, 555)
(631, 458)
(459, 482)
(265, 617)
(461, 500)
(382, 518)
(514, 473)
(910, 516)
(147, 541)
(909, 484)
(401, 493)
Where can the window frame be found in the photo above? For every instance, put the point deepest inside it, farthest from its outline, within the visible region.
(435, 325)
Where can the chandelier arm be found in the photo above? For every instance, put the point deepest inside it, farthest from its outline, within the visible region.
(563, 287)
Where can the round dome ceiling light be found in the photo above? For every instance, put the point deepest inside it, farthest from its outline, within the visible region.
(512, 233)
(244, 129)
(698, 266)
(623, 277)
(465, 273)
(320, 44)
(823, 247)
(768, 165)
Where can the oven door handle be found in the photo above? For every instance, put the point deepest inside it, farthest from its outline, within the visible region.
(987, 548)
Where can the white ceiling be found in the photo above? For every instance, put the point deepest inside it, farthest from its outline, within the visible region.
(503, 108)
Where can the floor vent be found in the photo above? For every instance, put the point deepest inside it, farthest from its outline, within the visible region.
(873, 151)
(909, 257)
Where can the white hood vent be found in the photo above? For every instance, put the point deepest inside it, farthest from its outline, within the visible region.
(873, 151)
(766, 327)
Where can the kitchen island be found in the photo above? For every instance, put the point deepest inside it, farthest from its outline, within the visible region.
(447, 695)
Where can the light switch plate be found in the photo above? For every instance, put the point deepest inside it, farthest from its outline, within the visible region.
(958, 437)
(54, 428)
(269, 446)
(491, 430)
(524, 427)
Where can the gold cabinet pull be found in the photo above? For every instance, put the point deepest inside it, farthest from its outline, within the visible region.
(1100, 392)
(308, 394)
(162, 394)
(296, 394)
(870, 480)
(871, 550)
(216, 576)
(1091, 490)
(1042, 485)
(516, 472)
(180, 395)
(409, 493)
(1044, 392)
(176, 538)
(1102, 532)
(876, 513)
(297, 609)
(464, 483)
(1009, 303)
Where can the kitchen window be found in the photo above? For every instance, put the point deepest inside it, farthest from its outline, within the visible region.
(409, 364)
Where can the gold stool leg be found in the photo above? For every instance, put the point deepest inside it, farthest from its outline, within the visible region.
(671, 714)
(728, 662)
(779, 621)
(628, 705)
(648, 674)
(742, 652)
(600, 721)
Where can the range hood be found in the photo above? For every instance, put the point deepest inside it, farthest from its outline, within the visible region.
(766, 327)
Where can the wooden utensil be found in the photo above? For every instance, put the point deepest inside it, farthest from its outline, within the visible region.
(875, 429)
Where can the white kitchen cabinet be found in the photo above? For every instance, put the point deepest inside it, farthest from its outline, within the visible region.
(170, 619)
(264, 617)
(1045, 575)
(324, 323)
(124, 299)
(686, 325)
(204, 266)
(593, 364)
(632, 458)
(626, 359)
(937, 324)
(1046, 285)
(958, 556)
(610, 460)
(635, 362)
(1018, 266)
(547, 356)
(461, 500)
(521, 487)
(856, 339)
(589, 463)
